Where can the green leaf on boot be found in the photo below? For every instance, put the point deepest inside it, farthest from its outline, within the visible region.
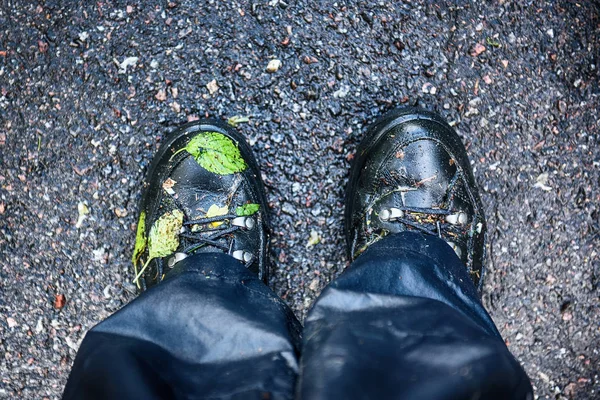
(246, 210)
(163, 239)
(216, 153)
(164, 234)
(140, 240)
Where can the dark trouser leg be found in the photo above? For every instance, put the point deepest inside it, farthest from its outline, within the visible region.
(404, 321)
(211, 330)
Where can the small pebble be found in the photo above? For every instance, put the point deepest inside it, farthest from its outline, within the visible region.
(273, 66)
(212, 86)
(288, 209)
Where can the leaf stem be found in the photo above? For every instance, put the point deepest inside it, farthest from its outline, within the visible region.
(137, 277)
(135, 269)
(177, 152)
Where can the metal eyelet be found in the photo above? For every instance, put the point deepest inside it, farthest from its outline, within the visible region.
(460, 218)
(242, 255)
(176, 258)
(390, 214)
(244, 222)
(456, 248)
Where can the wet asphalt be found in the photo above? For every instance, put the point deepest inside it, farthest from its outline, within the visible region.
(87, 92)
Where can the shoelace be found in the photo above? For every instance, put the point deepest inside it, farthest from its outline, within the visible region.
(196, 240)
(199, 240)
(450, 217)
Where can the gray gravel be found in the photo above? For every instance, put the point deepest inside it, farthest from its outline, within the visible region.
(88, 92)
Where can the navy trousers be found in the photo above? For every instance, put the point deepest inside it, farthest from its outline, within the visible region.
(404, 321)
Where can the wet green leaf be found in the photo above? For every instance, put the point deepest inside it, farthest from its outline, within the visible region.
(216, 153)
(237, 119)
(140, 240)
(163, 239)
(492, 42)
(247, 210)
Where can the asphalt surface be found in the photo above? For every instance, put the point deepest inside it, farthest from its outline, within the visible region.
(87, 92)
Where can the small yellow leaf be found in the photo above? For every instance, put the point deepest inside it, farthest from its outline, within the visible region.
(83, 211)
(216, 211)
(314, 239)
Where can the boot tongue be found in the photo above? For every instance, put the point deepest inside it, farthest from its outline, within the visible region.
(203, 194)
(198, 189)
(422, 173)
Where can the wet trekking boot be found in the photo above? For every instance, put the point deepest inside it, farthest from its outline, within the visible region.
(411, 173)
(203, 193)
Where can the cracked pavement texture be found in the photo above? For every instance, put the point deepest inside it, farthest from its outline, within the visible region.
(89, 89)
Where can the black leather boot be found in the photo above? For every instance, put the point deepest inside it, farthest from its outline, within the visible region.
(411, 172)
(203, 193)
